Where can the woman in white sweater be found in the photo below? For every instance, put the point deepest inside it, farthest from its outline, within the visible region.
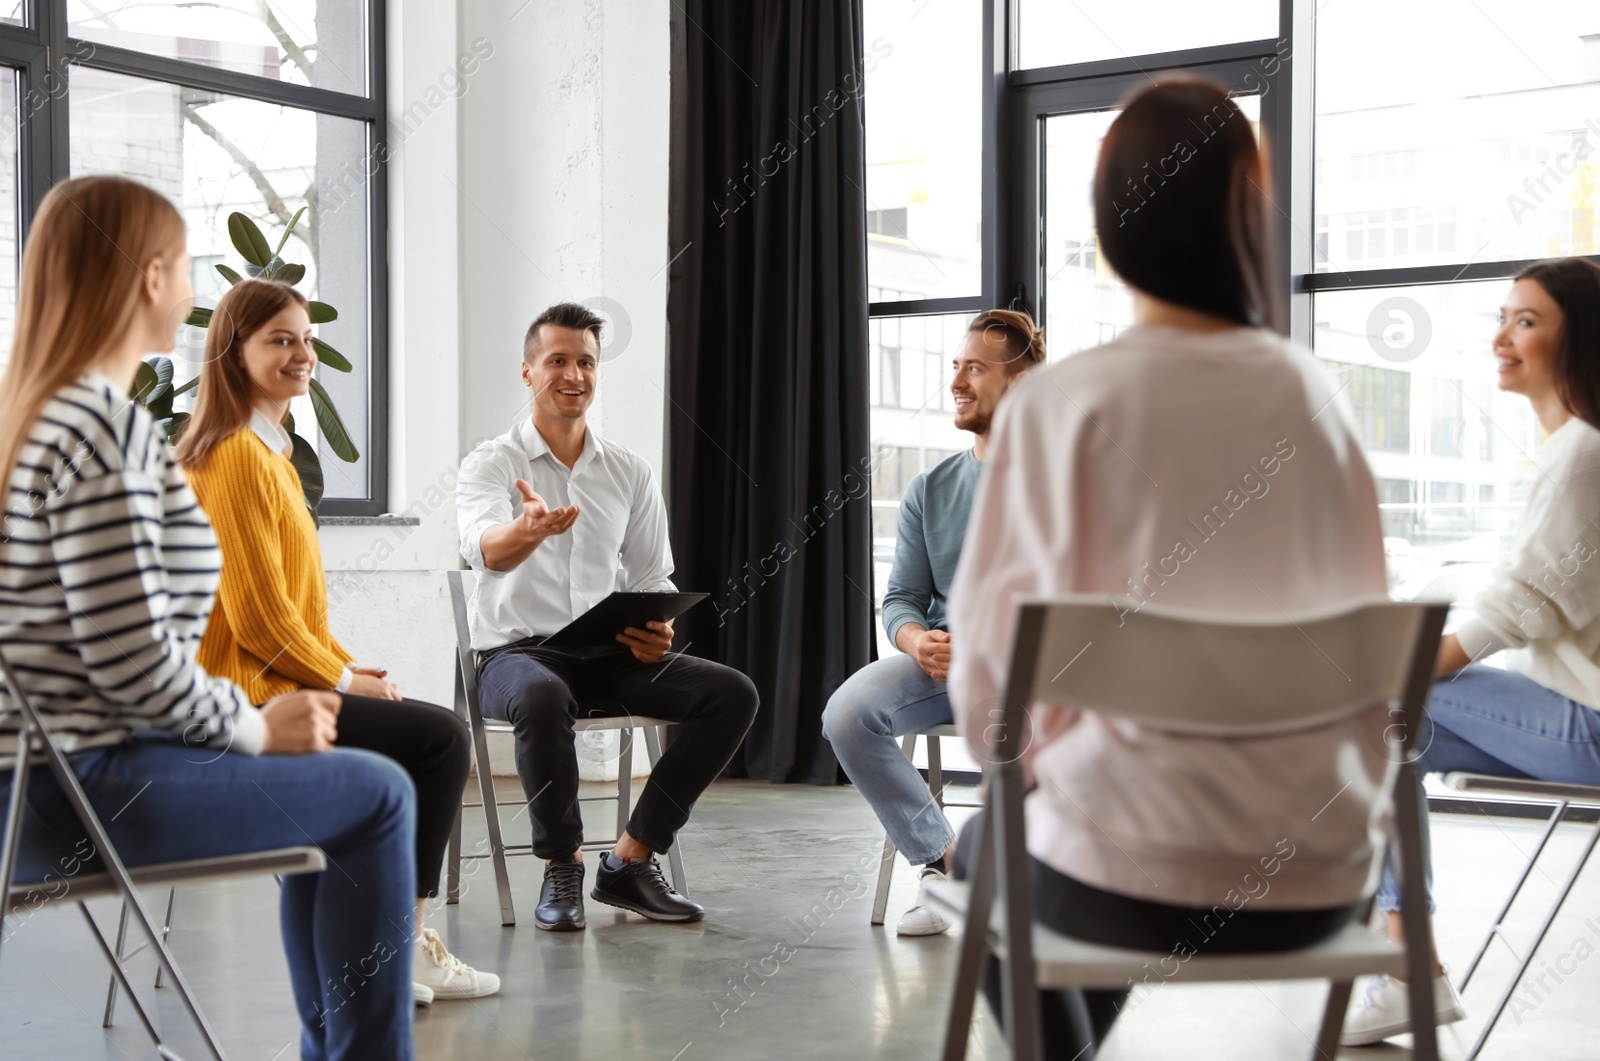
(1539, 717)
(1201, 461)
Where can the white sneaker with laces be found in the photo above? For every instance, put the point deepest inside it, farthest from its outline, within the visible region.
(1379, 1009)
(443, 975)
(421, 994)
(922, 919)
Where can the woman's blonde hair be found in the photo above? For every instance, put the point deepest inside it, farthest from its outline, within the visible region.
(225, 395)
(83, 275)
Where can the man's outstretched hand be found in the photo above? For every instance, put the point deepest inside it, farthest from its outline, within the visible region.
(540, 520)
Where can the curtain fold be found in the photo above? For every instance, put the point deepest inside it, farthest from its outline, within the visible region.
(769, 460)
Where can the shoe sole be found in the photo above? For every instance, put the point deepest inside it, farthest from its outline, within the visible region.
(562, 926)
(1374, 1036)
(917, 932)
(601, 897)
(451, 996)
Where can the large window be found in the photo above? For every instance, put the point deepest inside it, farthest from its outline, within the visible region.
(1433, 184)
(265, 107)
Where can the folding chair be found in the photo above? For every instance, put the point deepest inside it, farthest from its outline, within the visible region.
(34, 738)
(462, 585)
(1215, 676)
(1564, 800)
(880, 902)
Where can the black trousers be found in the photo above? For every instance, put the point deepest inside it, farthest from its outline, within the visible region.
(433, 746)
(541, 691)
(1072, 1020)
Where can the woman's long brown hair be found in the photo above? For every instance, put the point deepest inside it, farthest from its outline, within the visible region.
(83, 275)
(226, 395)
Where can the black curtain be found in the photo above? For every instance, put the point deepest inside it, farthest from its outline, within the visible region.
(768, 456)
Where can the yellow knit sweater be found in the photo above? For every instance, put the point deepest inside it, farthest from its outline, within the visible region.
(269, 630)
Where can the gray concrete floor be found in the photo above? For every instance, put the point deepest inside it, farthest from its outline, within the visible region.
(761, 858)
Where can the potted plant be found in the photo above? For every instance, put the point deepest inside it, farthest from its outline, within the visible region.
(152, 386)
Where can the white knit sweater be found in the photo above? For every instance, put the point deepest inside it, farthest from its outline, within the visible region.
(1544, 600)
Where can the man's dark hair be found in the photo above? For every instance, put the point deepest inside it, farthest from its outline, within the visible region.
(563, 315)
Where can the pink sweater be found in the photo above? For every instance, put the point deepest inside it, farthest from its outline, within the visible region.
(1211, 470)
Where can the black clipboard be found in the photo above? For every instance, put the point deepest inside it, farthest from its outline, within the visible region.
(601, 624)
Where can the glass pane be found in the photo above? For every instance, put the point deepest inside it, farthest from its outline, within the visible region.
(308, 42)
(13, 12)
(10, 139)
(215, 154)
(1085, 303)
(924, 91)
(1052, 33)
(913, 425)
(1451, 452)
(1480, 142)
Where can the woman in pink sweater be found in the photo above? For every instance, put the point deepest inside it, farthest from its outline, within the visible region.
(1198, 460)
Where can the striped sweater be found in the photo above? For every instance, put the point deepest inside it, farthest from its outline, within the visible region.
(108, 568)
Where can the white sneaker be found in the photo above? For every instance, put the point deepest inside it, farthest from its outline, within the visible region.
(443, 975)
(923, 920)
(421, 994)
(1379, 1009)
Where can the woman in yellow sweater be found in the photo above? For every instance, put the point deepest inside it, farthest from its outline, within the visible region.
(269, 632)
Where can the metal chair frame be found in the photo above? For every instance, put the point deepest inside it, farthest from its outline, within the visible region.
(1389, 647)
(1563, 799)
(35, 740)
(462, 584)
(880, 902)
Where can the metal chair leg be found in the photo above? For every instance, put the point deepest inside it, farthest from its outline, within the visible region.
(652, 747)
(1327, 1044)
(974, 946)
(166, 924)
(1533, 948)
(120, 976)
(121, 956)
(452, 862)
(936, 770)
(624, 778)
(1499, 921)
(491, 813)
(880, 901)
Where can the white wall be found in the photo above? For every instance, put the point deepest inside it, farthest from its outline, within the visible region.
(530, 166)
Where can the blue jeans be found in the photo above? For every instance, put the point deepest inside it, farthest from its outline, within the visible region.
(1490, 721)
(876, 704)
(346, 931)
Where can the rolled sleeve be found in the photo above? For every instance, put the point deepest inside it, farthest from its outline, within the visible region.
(483, 500)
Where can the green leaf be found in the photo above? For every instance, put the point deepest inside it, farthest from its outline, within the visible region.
(163, 367)
(288, 422)
(173, 425)
(331, 357)
(248, 240)
(304, 459)
(229, 275)
(187, 387)
(322, 313)
(289, 273)
(333, 429)
(293, 221)
(199, 317)
(145, 381)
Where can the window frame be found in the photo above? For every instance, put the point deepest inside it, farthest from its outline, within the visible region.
(42, 52)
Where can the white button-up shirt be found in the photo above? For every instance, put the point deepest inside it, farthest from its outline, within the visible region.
(618, 542)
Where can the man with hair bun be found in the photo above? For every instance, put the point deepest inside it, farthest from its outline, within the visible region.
(906, 693)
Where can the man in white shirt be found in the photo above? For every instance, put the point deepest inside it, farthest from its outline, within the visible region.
(555, 519)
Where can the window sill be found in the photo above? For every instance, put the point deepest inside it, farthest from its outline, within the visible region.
(386, 520)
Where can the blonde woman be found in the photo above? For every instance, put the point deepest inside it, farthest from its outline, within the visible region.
(107, 572)
(270, 633)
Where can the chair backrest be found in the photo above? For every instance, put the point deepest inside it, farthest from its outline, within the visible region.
(1219, 675)
(462, 586)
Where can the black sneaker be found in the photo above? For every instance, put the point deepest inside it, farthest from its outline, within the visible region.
(638, 885)
(561, 897)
